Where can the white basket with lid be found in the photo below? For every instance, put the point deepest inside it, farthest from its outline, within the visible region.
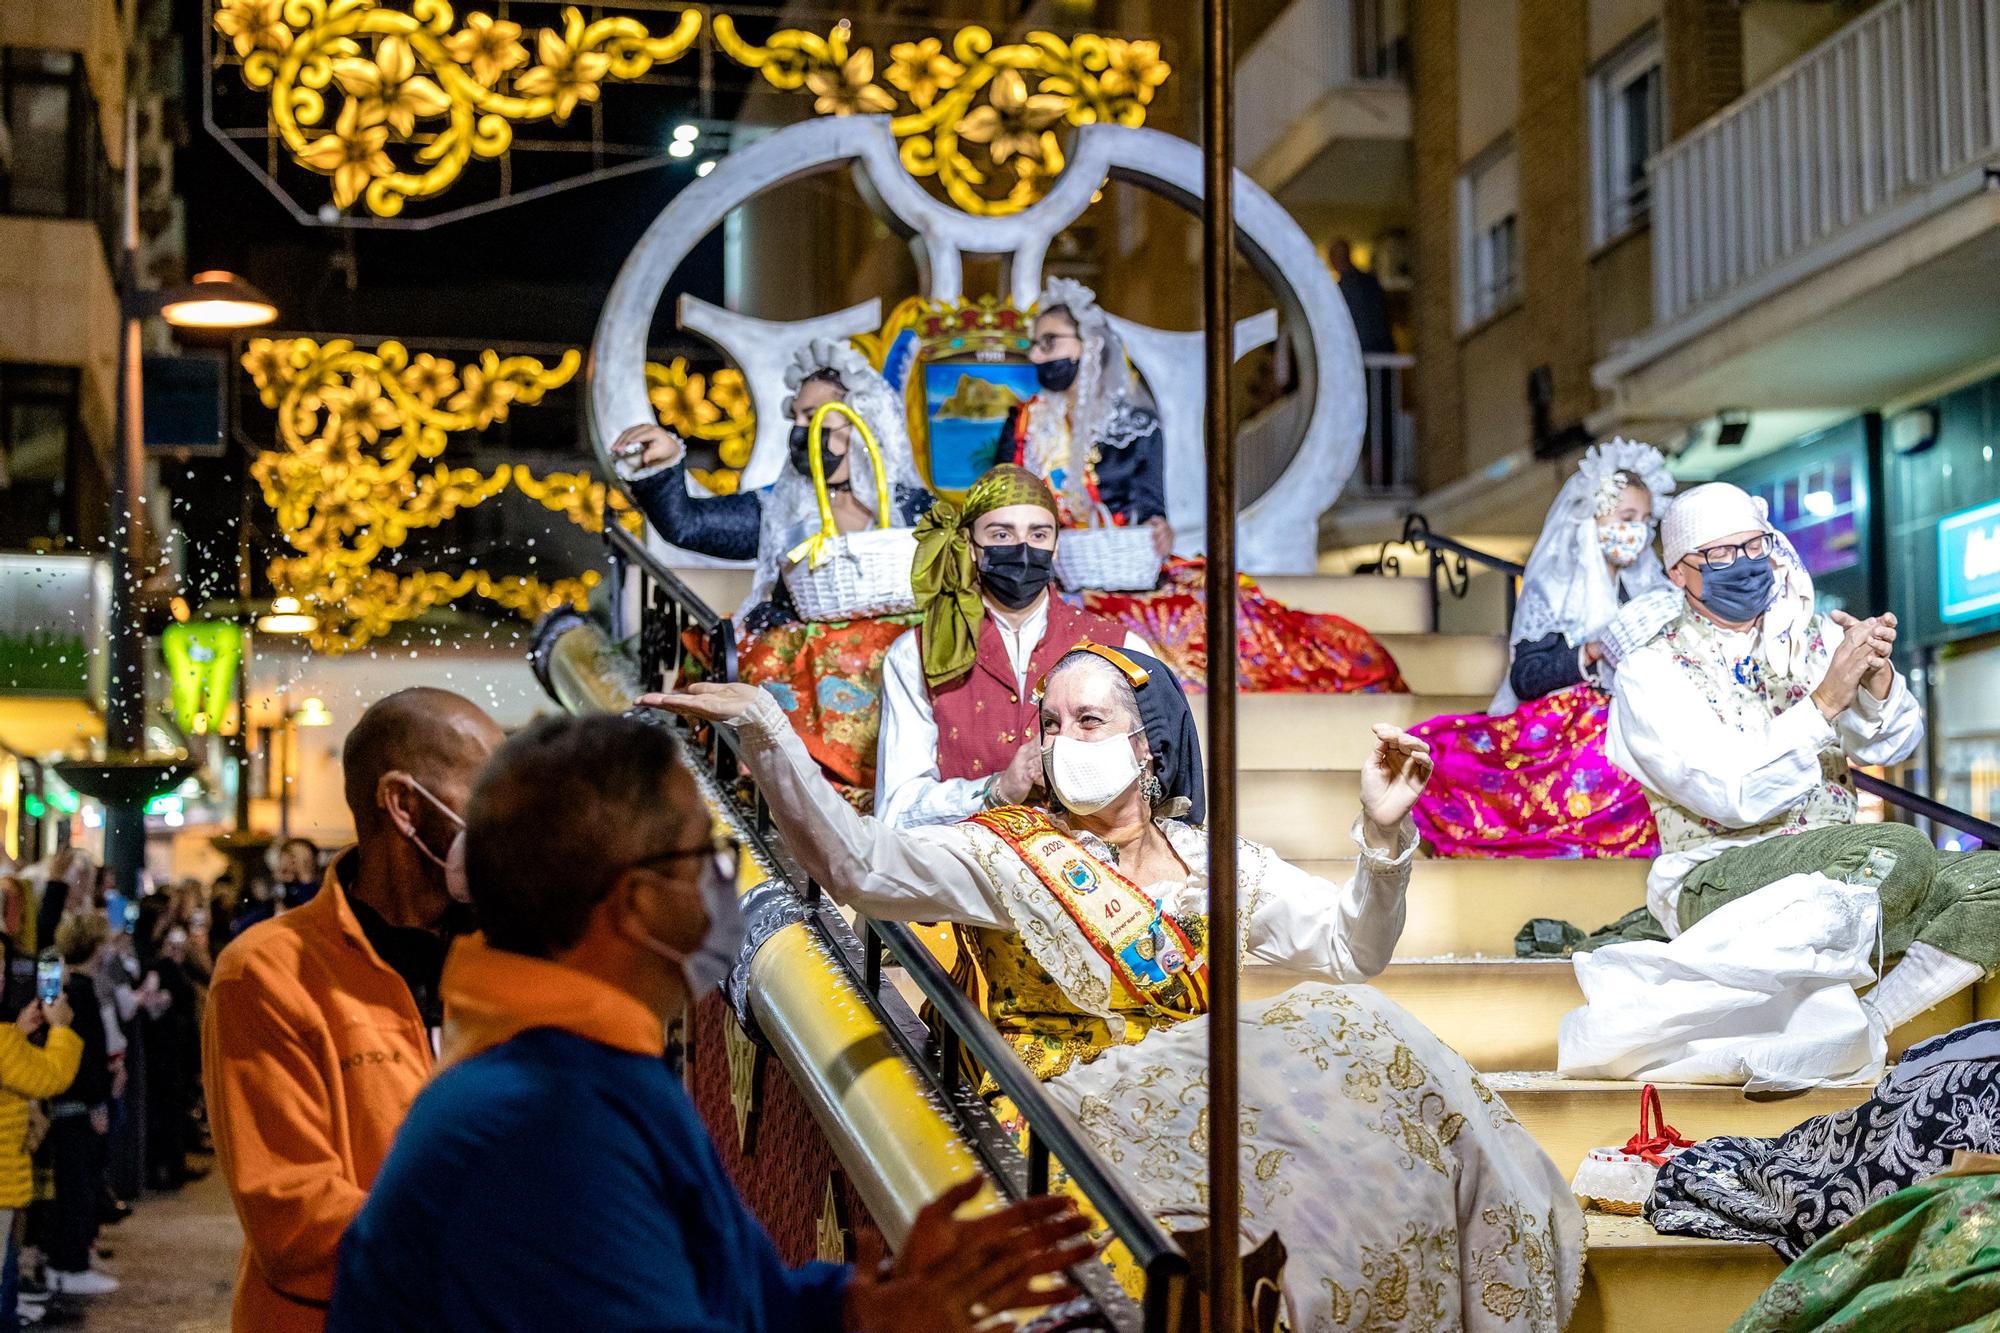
(1107, 559)
(835, 575)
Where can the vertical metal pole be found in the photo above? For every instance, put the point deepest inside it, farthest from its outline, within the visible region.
(239, 748)
(1225, 1267)
(125, 696)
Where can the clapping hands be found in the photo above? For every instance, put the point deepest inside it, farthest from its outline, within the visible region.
(1864, 657)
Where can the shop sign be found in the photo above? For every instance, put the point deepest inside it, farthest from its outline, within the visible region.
(1969, 564)
(54, 614)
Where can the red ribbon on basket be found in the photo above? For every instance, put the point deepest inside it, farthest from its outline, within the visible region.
(1651, 1148)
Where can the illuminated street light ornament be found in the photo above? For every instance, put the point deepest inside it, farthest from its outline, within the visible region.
(313, 712)
(287, 616)
(217, 300)
(201, 658)
(418, 90)
(680, 148)
(392, 106)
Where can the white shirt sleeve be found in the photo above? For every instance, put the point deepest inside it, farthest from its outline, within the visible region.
(1665, 734)
(908, 791)
(926, 874)
(1345, 932)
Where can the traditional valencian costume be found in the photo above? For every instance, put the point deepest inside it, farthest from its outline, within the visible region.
(1406, 1194)
(1096, 440)
(826, 675)
(1749, 780)
(1530, 777)
(957, 697)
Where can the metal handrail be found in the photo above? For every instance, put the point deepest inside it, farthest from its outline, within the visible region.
(1417, 534)
(1919, 804)
(669, 610)
(1451, 558)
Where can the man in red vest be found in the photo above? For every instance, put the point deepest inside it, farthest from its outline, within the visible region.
(960, 730)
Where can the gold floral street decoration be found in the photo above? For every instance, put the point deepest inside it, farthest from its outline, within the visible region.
(714, 409)
(356, 470)
(1029, 89)
(419, 87)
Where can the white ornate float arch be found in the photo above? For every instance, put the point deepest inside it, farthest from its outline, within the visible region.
(1277, 534)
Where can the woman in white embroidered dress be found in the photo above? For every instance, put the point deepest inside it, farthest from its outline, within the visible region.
(1406, 1194)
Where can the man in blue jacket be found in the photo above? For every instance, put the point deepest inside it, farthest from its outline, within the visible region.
(556, 1175)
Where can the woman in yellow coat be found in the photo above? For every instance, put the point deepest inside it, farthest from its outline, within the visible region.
(28, 1073)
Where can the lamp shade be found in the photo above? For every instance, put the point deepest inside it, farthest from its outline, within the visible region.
(313, 712)
(217, 300)
(287, 616)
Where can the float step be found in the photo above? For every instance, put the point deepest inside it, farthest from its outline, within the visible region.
(1463, 907)
(1504, 1013)
(1325, 732)
(1569, 1116)
(1449, 663)
(1638, 1281)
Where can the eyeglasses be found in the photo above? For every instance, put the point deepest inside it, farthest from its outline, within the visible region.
(722, 847)
(1727, 554)
(1048, 342)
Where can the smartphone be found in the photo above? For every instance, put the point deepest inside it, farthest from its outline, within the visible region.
(114, 909)
(131, 922)
(49, 980)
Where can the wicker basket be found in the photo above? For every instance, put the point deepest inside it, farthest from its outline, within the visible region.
(1107, 560)
(1620, 1180)
(851, 576)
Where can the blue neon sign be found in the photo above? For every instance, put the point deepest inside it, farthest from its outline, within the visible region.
(1969, 563)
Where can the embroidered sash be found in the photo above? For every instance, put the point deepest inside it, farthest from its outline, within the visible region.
(1146, 949)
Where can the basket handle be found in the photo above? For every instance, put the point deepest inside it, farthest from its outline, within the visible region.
(817, 547)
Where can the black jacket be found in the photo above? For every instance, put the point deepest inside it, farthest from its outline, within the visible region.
(1131, 481)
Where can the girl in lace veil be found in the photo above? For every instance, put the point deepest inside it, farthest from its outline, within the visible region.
(826, 675)
(1591, 560)
(791, 511)
(1092, 432)
(1531, 778)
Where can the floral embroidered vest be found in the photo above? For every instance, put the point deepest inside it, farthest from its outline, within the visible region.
(1746, 691)
(983, 716)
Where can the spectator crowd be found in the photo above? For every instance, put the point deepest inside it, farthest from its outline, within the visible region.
(101, 1099)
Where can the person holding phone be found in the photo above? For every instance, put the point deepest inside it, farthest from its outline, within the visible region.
(80, 1118)
(29, 1073)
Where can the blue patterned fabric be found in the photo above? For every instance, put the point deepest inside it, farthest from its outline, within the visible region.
(1790, 1191)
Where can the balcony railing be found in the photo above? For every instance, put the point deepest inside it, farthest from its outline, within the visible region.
(1900, 102)
(1312, 48)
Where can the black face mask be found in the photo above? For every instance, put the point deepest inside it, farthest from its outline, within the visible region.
(1055, 376)
(801, 444)
(1015, 575)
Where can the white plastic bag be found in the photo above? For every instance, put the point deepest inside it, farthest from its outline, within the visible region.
(1761, 992)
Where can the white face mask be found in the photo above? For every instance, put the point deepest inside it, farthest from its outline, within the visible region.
(708, 966)
(453, 860)
(1085, 776)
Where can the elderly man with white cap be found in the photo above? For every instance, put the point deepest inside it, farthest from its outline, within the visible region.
(1740, 720)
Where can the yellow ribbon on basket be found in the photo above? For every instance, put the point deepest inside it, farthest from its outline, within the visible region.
(817, 548)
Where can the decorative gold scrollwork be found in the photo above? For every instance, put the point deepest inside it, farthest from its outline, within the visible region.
(348, 482)
(744, 1057)
(399, 74)
(937, 108)
(834, 1236)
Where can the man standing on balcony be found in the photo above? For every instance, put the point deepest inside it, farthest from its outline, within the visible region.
(1367, 306)
(1740, 721)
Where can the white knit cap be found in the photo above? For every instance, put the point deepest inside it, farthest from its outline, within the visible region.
(1708, 513)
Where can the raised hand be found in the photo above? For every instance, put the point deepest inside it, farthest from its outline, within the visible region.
(647, 444)
(706, 701)
(1394, 776)
(1857, 657)
(1882, 678)
(1022, 775)
(954, 1274)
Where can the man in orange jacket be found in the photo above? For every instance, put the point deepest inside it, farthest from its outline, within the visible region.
(321, 1023)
